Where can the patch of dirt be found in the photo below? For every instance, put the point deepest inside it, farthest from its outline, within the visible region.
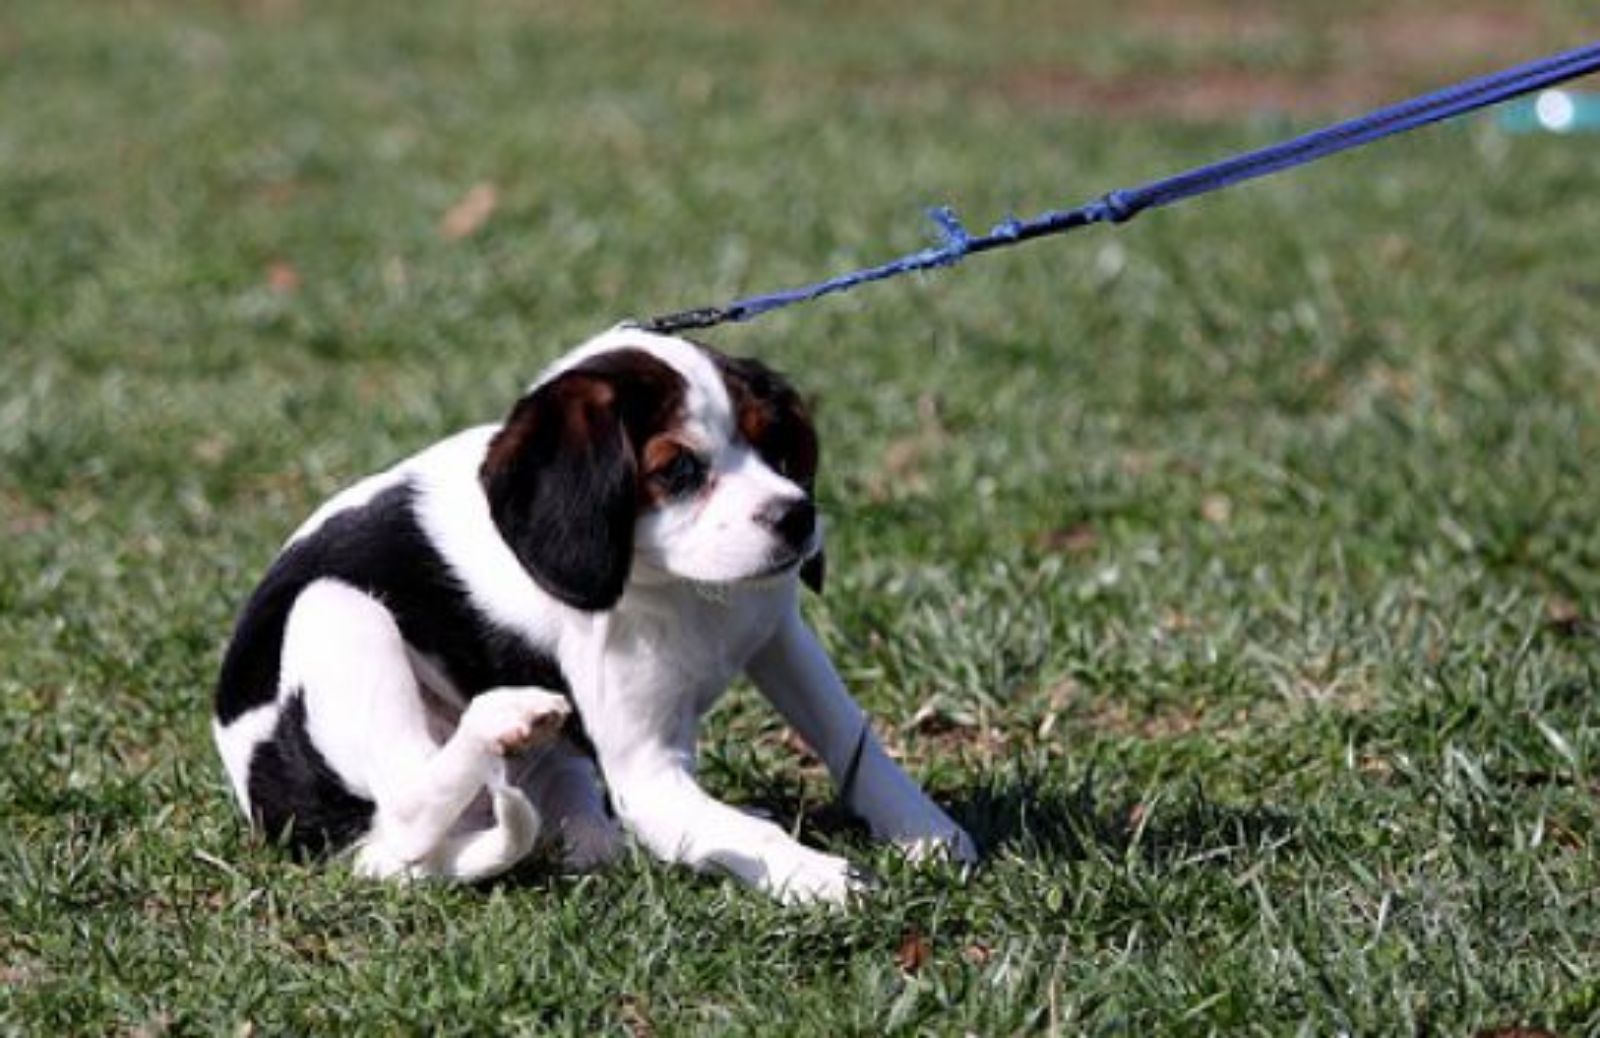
(1373, 57)
(737, 10)
(1077, 539)
(21, 518)
(1439, 37)
(1072, 706)
(1206, 95)
(1210, 23)
(635, 1018)
(19, 975)
(1118, 719)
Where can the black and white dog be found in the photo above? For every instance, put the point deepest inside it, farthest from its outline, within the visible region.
(613, 555)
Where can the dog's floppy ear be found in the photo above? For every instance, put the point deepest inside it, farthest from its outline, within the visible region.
(560, 477)
(814, 570)
(774, 420)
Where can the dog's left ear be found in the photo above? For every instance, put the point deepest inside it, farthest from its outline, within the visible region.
(775, 420)
(814, 570)
(560, 477)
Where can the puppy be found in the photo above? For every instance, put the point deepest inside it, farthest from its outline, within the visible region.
(456, 660)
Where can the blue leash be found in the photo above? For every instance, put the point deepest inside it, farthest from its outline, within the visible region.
(1121, 206)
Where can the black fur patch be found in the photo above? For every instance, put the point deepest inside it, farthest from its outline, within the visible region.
(295, 798)
(562, 474)
(379, 548)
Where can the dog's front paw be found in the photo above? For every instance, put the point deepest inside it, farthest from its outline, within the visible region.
(952, 845)
(810, 877)
(508, 720)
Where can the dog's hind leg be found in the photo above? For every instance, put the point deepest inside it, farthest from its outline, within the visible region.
(365, 713)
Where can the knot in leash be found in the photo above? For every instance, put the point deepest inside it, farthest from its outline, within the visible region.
(1113, 207)
(955, 241)
(1009, 229)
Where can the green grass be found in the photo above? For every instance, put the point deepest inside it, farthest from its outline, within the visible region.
(1234, 576)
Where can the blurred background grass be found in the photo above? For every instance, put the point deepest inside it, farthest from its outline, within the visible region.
(1270, 517)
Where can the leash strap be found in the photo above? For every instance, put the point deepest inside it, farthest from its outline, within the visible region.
(1123, 205)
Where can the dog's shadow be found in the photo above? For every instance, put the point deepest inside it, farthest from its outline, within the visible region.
(1041, 820)
(1046, 821)
(1035, 819)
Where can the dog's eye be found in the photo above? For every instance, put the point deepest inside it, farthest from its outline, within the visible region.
(684, 474)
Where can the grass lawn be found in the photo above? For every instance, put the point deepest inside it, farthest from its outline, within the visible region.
(1234, 576)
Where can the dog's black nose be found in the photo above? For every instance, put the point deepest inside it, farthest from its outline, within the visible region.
(794, 521)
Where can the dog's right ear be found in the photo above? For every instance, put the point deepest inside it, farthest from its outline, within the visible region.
(560, 478)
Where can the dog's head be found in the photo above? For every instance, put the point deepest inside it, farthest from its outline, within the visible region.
(648, 456)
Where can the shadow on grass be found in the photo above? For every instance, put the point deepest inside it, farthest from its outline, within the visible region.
(1033, 818)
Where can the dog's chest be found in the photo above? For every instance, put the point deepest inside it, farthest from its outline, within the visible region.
(690, 643)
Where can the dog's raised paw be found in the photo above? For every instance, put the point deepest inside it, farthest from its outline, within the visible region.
(509, 720)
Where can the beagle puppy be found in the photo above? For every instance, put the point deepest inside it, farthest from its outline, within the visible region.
(509, 639)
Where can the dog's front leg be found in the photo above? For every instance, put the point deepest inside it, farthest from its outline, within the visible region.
(655, 794)
(794, 672)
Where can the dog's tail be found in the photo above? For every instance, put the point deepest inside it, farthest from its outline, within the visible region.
(474, 856)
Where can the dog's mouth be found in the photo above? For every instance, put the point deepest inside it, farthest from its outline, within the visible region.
(785, 560)
(787, 563)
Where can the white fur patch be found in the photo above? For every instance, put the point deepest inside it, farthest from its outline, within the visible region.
(237, 744)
